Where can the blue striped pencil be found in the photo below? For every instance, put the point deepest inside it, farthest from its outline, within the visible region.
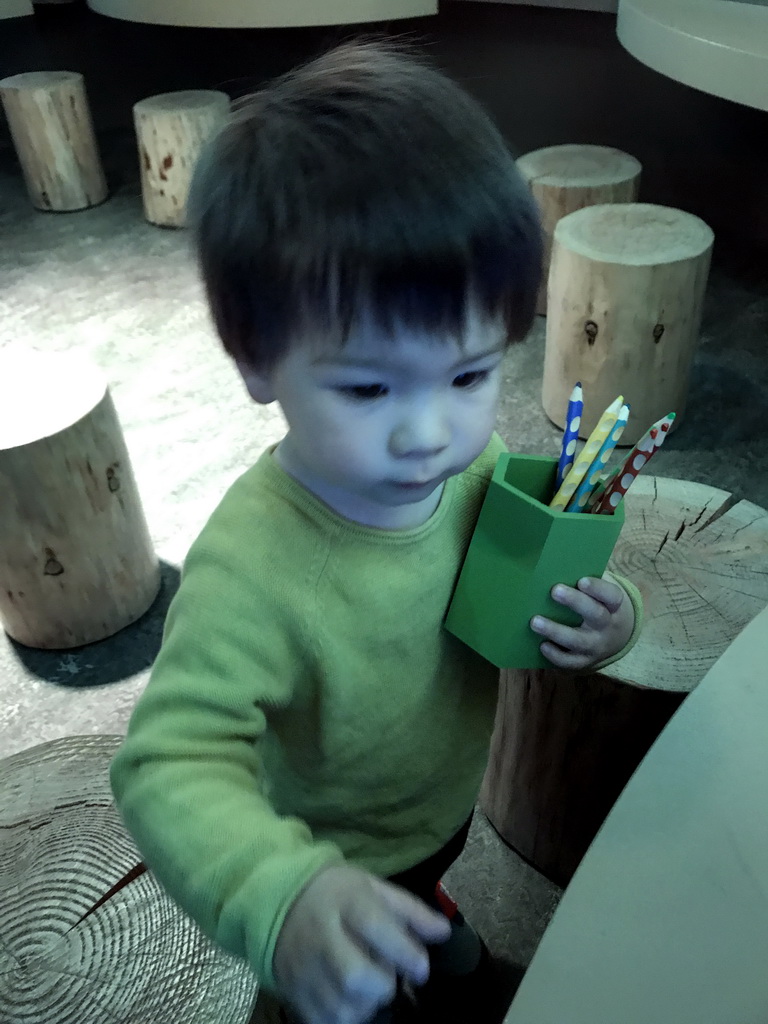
(570, 435)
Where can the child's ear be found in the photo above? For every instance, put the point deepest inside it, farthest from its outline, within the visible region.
(259, 384)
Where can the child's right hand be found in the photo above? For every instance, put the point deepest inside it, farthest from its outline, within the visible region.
(345, 941)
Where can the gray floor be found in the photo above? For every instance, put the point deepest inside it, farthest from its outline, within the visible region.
(108, 284)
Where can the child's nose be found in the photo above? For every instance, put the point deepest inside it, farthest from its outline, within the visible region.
(422, 432)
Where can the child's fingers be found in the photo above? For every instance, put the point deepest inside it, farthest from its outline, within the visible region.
(569, 638)
(569, 661)
(607, 593)
(430, 925)
(592, 611)
(398, 932)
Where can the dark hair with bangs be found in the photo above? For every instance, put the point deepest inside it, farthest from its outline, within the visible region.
(364, 181)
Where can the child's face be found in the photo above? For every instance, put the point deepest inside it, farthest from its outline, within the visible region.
(377, 426)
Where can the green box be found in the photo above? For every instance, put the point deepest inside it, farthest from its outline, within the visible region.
(519, 550)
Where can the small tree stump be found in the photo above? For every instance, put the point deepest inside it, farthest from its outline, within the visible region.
(51, 128)
(626, 287)
(170, 130)
(567, 178)
(565, 746)
(76, 558)
(66, 956)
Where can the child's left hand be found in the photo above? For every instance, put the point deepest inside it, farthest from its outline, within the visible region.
(608, 620)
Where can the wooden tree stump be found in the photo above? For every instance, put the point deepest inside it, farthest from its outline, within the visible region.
(565, 746)
(626, 287)
(170, 130)
(51, 128)
(76, 558)
(134, 958)
(567, 178)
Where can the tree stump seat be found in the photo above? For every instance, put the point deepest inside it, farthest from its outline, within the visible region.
(626, 288)
(136, 956)
(171, 129)
(76, 559)
(564, 746)
(52, 131)
(569, 177)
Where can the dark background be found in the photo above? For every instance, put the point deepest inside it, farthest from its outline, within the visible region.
(548, 76)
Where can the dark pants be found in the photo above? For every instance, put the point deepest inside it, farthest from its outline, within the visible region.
(422, 879)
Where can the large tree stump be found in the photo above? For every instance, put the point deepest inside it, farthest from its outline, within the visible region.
(626, 287)
(170, 130)
(51, 128)
(565, 746)
(568, 178)
(69, 956)
(76, 558)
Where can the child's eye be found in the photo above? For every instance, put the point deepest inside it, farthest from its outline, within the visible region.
(364, 392)
(470, 379)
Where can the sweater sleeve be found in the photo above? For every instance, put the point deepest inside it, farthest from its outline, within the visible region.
(637, 604)
(188, 779)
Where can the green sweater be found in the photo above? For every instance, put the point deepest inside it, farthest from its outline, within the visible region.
(306, 706)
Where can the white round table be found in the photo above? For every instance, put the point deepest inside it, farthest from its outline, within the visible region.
(718, 46)
(261, 14)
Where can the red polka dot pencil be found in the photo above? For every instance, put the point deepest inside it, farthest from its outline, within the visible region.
(643, 451)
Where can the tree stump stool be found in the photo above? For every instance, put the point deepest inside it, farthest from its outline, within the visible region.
(171, 129)
(626, 287)
(567, 178)
(68, 954)
(564, 746)
(52, 132)
(76, 558)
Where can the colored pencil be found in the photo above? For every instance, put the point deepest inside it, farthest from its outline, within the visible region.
(581, 495)
(570, 435)
(639, 457)
(597, 492)
(594, 443)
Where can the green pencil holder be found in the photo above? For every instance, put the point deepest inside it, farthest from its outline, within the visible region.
(519, 550)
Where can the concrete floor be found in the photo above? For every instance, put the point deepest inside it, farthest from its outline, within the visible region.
(106, 283)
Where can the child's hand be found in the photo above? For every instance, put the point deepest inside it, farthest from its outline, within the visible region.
(608, 620)
(345, 941)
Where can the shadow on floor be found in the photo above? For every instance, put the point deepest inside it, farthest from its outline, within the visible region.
(113, 660)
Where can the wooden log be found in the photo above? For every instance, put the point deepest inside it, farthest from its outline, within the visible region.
(76, 558)
(568, 178)
(564, 746)
(52, 132)
(626, 288)
(66, 956)
(170, 131)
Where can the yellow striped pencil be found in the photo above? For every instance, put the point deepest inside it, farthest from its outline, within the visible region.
(594, 443)
(579, 499)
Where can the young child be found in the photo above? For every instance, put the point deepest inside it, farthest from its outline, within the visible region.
(303, 764)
